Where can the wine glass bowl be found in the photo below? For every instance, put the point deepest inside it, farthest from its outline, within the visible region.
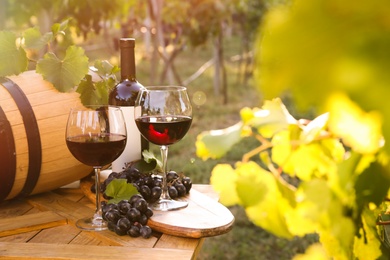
(96, 136)
(163, 115)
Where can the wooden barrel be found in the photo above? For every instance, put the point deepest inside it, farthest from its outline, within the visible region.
(34, 157)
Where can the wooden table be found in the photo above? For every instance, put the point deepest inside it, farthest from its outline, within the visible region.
(42, 227)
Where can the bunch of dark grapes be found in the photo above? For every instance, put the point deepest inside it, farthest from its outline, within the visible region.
(149, 186)
(128, 217)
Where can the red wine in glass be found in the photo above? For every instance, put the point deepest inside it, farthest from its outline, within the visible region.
(96, 149)
(96, 136)
(163, 130)
(163, 115)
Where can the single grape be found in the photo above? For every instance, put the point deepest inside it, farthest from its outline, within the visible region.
(145, 231)
(134, 231)
(124, 224)
(133, 215)
(181, 189)
(141, 205)
(145, 191)
(134, 198)
(155, 194)
(112, 215)
(143, 220)
(172, 191)
(149, 212)
(124, 206)
(187, 183)
(119, 231)
(172, 175)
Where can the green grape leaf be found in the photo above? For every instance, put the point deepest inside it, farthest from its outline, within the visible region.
(216, 143)
(358, 129)
(13, 59)
(368, 244)
(250, 186)
(148, 163)
(88, 94)
(372, 185)
(34, 39)
(102, 93)
(105, 68)
(272, 118)
(119, 190)
(223, 179)
(67, 73)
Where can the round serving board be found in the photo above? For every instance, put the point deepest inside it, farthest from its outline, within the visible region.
(204, 216)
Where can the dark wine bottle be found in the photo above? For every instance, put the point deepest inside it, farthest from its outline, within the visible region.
(124, 95)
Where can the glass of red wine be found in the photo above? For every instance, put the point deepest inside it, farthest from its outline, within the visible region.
(163, 115)
(96, 136)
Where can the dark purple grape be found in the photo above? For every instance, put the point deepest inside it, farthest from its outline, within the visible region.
(133, 215)
(120, 231)
(134, 198)
(143, 220)
(134, 231)
(112, 215)
(181, 189)
(149, 213)
(172, 175)
(172, 191)
(124, 206)
(187, 183)
(124, 224)
(157, 182)
(155, 194)
(145, 191)
(141, 205)
(149, 181)
(145, 231)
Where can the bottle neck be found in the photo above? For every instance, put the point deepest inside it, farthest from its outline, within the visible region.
(128, 64)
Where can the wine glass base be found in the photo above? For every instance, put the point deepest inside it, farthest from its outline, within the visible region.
(169, 204)
(92, 224)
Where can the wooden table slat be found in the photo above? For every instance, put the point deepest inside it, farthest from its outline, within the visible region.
(60, 251)
(30, 222)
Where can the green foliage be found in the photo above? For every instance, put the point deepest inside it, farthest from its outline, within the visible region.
(9, 51)
(119, 190)
(330, 55)
(64, 73)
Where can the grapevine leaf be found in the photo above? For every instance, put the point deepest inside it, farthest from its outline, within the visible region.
(119, 190)
(359, 130)
(372, 185)
(88, 94)
(34, 39)
(250, 186)
(272, 118)
(368, 244)
(223, 179)
(216, 143)
(13, 59)
(149, 162)
(67, 73)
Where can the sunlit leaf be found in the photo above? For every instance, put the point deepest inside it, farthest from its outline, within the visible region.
(67, 73)
(13, 59)
(33, 39)
(358, 129)
(315, 128)
(87, 91)
(367, 245)
(270, 119)
(216, 143)
(223, 179)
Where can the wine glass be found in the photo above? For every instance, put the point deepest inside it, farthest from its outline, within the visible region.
(163, 115)
(96, 136)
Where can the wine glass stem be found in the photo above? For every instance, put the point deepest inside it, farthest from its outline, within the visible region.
(98, 212)
(164, 157)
